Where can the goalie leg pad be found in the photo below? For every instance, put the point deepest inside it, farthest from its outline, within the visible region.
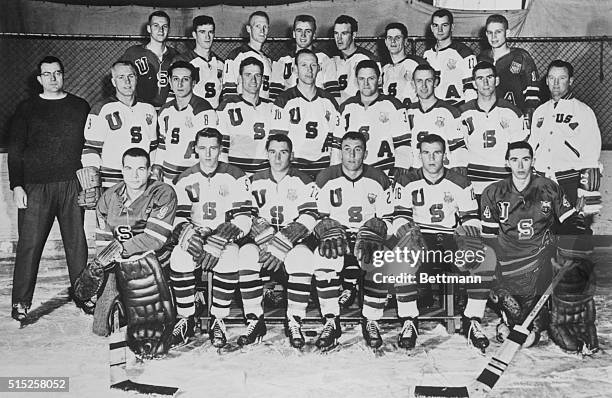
(573, 310)
(149, 305)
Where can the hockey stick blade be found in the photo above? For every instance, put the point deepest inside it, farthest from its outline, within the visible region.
(129, 385)
(500, 361)
(433, 391)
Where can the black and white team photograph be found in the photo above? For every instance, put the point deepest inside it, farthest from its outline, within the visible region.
(290, 198)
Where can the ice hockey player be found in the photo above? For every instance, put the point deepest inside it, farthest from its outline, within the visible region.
(397, 74)
(309, 116)
(453, 61)
(347, 56)
(245, 120)
(428, 204)
(518, 74)
(214, 207)
(134, 220)
(489, 125)
(114, 125)
(431, 115)
(257, 28)
(209, 67)
(519, 219)
(282, 242)
(179, 120)
(152, 61)
(284, 70)
(354, 201)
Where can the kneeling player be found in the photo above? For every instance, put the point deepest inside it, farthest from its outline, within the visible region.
(214, 206)
(430, 202)
(518, 217)
(134, 220)
(353, 199)
(286, 214)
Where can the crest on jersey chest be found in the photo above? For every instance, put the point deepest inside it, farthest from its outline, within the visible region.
(504, 123)
(372, 198)
(292, 195)
(440, 121)
(327, 115)
(149, 119)
(188, 122)
(540, 122)
(451, 64)
(448, 198)
(162, 212)
(383, 117)
(515, 67)
(223, 191)
(566, 202)
(545, 207)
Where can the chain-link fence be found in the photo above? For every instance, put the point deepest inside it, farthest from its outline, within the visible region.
(87, 61)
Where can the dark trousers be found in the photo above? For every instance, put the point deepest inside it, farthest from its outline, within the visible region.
(45, 203)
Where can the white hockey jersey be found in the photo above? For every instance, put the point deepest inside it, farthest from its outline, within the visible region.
(113, 127)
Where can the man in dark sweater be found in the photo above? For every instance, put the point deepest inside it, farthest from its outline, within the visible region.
(46, 140)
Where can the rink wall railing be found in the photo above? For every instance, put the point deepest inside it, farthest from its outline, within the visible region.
(88, 58)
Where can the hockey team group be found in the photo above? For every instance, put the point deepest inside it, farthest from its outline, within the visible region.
(298, 171)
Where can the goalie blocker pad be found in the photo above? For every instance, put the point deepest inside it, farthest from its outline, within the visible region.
(146, 296)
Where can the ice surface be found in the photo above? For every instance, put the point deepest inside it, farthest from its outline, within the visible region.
(60, 343)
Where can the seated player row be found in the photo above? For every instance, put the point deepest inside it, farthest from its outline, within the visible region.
(218, 219)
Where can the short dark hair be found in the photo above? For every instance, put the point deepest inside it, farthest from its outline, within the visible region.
(443, 12)
(355, 135)
(50, 59)
(185, 65)
(557, 63)
(305, 18)
(497, 18)
(203, 20)
(425, 67)
(519, 145)
(259, 14)
(484, 65)
(367, 64)
(209, 132)
(345, 19)
(280, 138)
(397, 25)
(304, 51)
(159, 13)
(430, 139)
(136, 153)
(250, 61)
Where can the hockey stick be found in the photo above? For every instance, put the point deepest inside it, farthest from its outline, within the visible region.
(500, 361)
(118, 361)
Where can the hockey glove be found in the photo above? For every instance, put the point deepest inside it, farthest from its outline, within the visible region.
(589, 198)
(261, 231)
(228, 231)
(332, 237)
(273, 254)
(468, 238)
(91, 278)
(370, 238)
(192, 240)
(409, 236)
(89, 178)
(157, 172)
(212, 251)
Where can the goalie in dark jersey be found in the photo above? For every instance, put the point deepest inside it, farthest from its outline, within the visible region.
(134, 220)
(519, 216)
